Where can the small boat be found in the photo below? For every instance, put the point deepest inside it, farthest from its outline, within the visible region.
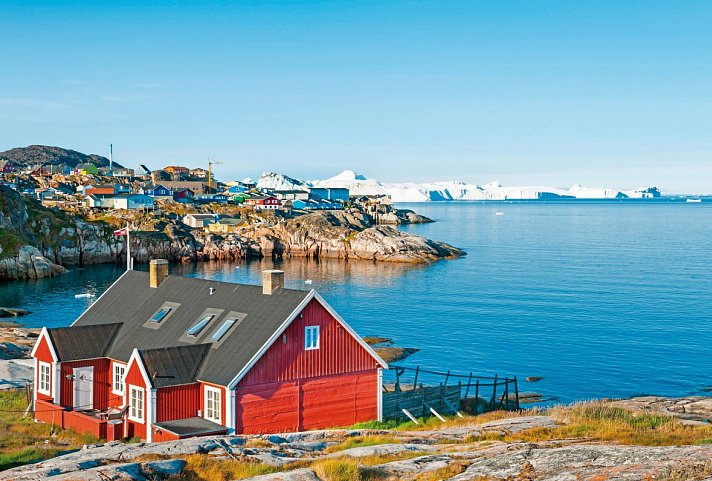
(82, 296)
(308, 281)
(499, 213)
(694, 201)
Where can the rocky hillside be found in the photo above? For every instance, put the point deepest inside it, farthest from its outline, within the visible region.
(595, 441)
(349, 234)
(44, 154)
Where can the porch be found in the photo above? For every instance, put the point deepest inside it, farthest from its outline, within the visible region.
(107, 425)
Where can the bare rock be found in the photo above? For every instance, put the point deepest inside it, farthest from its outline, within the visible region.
(295, 475)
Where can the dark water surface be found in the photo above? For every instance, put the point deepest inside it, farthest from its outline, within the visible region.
(600, 298)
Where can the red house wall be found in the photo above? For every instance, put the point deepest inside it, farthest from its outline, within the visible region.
(338, 352)
(134, 378)
(102, 382)
(178, 402)
(292, 389)
(44, 354)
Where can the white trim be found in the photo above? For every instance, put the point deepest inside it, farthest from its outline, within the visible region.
(219, 391)
(230, 407)
(316, 329)
(34, 391)
(135, 357)
(97, 299)
(379, 395)
(151, 415)
(40, 365)
(312, 295)
(131, 417)
(57, 384)
(45, 334)
(114, 365)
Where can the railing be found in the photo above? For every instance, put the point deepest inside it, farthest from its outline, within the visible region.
(504, 390)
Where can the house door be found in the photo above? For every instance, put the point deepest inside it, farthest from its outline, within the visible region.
(83, 388)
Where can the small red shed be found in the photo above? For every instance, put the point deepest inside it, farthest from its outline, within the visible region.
(162, 357)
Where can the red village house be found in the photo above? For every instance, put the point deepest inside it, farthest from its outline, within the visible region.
(264, 202)
(164, 357)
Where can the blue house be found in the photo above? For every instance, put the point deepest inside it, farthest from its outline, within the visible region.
(236, 189)
(160, 192)
(330, 193)
(208, 198)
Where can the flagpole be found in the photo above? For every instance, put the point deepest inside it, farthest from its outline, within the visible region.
(128, 248)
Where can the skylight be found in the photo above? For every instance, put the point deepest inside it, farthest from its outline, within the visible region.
(222, 330)
(160, 315)
(199, 326)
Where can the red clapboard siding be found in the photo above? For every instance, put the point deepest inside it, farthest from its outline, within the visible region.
(134, 378)
(102, 382)
(162, 435)
(267, 408)
(331, 401)
(339, 400)
(177, 402)
(44, 354)
(338, 352)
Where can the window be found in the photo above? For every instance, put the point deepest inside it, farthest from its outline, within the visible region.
(44, 378)
(222, 330)
(136, 404)
(311, 337)
(212, 404)
(118, 384)
(200, 325)
(160, 315)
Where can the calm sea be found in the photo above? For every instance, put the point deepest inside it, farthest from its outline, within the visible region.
(598, 298)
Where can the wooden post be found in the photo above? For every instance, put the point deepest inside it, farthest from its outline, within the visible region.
(516, 391)
(477, 397)
(397, 388)
(415, 380)
(447, 376)
(494, 391)
(469, 381)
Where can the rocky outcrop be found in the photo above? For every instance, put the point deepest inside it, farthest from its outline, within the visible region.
(446, 453)
(28, 263)
(349, 234)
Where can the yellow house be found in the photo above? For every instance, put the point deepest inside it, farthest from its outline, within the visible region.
(226, 225)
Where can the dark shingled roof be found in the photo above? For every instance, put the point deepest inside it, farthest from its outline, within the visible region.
(131, 301)
(170, 366)
(82, 342)
(191, 426)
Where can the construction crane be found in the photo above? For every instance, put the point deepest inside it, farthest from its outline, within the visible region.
(211, 162)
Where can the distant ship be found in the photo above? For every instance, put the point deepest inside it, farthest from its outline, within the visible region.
(696, 201)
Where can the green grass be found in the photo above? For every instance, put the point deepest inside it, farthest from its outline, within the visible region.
(10, 243)
(362, 441)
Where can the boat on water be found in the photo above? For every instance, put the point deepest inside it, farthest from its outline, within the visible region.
(499, 213)
(693, 201)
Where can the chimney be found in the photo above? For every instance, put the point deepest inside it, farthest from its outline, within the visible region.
(271, 281)
(158, 271)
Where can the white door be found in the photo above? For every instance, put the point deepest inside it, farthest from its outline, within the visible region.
(83, 388)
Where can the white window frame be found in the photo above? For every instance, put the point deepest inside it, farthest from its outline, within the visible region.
(120, 382)
(217, 404)
(312, 337)
(44, 368)
(142, 411)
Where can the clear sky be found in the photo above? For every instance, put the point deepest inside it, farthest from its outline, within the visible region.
(603, 93)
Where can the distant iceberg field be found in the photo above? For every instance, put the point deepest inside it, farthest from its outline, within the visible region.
(450, 190)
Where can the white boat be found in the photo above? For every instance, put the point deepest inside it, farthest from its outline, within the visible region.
(499, 213)
(81, 296)
(695, 201)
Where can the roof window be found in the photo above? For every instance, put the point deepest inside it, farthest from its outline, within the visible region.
(222, 330)
(160, 315)
(200, 325)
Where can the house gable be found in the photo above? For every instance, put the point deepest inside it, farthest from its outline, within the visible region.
(340, 350)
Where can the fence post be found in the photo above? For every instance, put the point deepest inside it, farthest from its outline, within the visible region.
(447, 376)
(477, 397)
(397, 388)
(516, 391)
(415, 381)
(469, 381)
(494, 391)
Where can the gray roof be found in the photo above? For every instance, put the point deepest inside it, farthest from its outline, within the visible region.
(171, 366)
(191, 426)
(132, 302)
(82, 342)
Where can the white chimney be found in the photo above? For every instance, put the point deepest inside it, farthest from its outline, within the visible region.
(271, 281)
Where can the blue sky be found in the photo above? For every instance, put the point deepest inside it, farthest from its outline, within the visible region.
(531, 92)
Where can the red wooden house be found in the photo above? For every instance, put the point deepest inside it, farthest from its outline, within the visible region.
(163, 358)
(268, 202)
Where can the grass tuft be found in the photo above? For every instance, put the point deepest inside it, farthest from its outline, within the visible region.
(362, 441)
(203, 468)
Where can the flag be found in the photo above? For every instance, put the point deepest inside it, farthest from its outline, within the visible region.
(121, 232)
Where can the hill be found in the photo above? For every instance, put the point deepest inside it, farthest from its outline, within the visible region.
(49, 155)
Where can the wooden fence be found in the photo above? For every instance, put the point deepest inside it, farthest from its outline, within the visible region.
(454, 392)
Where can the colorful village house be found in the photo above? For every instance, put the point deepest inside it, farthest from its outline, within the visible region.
(162, 357)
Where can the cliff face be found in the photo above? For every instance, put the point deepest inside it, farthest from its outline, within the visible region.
(45, 154)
